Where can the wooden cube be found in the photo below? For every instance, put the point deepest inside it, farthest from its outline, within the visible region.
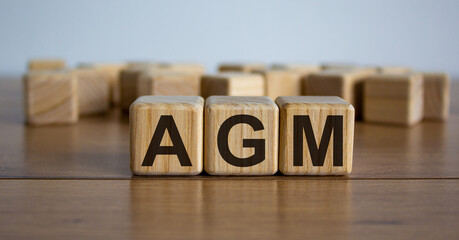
(436, 96)
(299, 68)
(305, 70)
(232, 84)
(241, 136)
(46, 64)
(241, 67)
(93, 92)
(51, 97)
(394, 70)
(169, 83)
(129, 81)
(189, 68)
(347, 84)
(316, 135)
(111, 71)
(395, 99)
(281, 83)
(177, 152)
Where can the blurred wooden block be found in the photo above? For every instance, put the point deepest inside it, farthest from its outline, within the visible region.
(177, 152)
(169, 84)
(394, 99)
(93, 92)
(436, 96)
(111, 72)
(347, 84)
(190, 68)
(241, 67)
(394, 70)
(232, 84)
(299, 68)
(51, 97)
(129, 81)
(305, 70)
(46, 64)
(281, 83)
(241, 136)
(316, 135)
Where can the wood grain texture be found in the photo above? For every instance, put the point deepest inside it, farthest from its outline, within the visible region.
(46, 64)
(98, 146)
(436, 96)
(93, 92)
(241, 67)
(217, 110)
(283, 208)
(281, 83)
(51, 97)
(394, 99)
(318, 109)
(232, 84)
(169, 83)
(346, 83)
(187, 113)
(111, 71)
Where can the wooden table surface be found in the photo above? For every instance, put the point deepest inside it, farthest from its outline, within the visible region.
(74, 182)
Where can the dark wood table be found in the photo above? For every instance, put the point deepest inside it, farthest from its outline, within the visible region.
(73, 182)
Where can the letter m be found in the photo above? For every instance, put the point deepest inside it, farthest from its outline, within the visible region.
(302, 123)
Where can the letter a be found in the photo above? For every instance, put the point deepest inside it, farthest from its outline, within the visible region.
(178, 148)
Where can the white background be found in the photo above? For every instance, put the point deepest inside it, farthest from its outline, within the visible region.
(420, 34)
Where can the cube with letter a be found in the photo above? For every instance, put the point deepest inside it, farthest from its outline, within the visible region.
(316, 135)
(166, 135)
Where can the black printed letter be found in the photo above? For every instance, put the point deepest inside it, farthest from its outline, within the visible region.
(333, 123)
(258, 144)
(166, 122)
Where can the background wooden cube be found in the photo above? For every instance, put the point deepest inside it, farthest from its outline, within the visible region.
(436, 96)
(111, 71)
(238, 120)
(93, 92)
(232, 84)
(395, 99)
(332, 153)
(191, 68)
(394, 70)
(241, 67)
(169, 83)
(46, 64)
(128, 82)
(305, 70)
(281, 83)
(347, 84)
(146, 116)
(51, 97)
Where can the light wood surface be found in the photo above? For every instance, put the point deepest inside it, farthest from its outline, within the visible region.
(232, 84)
(182, 118)
(51, 97)
(260, 128)
(46, 64)
(169, 83)
(404, 185)
(436, 96)
(394, 99)
(93, 92)
(320, 111)
(394, 70)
